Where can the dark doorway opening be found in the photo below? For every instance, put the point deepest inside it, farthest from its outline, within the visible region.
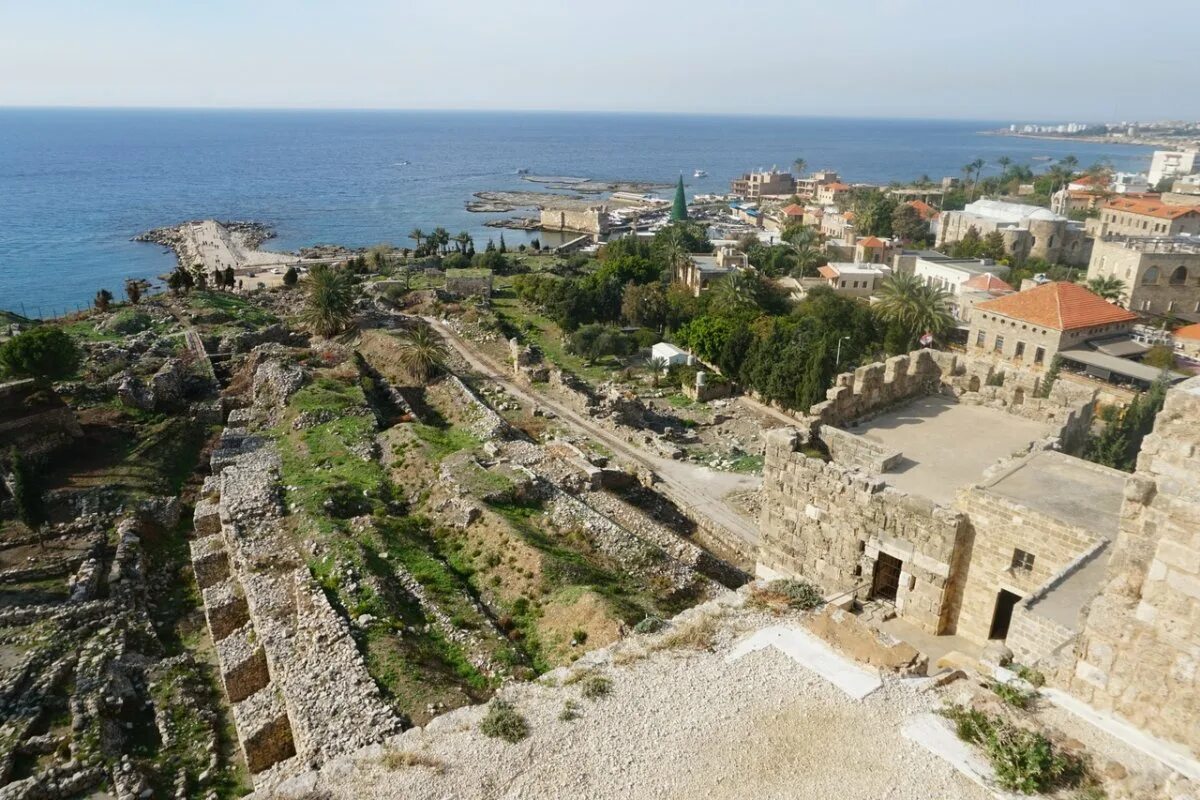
(1006, 601)
(886, 580)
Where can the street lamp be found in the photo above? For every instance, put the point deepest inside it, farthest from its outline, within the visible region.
(837, 361)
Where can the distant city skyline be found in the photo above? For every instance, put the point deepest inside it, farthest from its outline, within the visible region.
(1036, 62)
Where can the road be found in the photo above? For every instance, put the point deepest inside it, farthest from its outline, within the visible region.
(699, 488)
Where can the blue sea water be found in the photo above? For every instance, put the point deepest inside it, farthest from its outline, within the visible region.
(76, 185)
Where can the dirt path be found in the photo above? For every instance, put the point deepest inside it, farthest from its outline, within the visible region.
(695, 487)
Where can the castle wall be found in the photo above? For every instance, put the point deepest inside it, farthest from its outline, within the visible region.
(1138, 654)
(829, 523)
(591, 220)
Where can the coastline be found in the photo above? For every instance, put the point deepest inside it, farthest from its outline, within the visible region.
(1093, 139)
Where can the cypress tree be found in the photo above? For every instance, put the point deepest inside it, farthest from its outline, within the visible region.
(679, 208)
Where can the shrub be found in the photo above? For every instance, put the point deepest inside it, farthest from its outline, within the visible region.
(1024, 760)
(128, 322)
(290, 278)
(578, 637)
(1014, 696)
(650, 625)
(503, 722)
(596, 686)
(570, 711)
(1031, 676)
(787, 593)
(401, 759)
(44, 352)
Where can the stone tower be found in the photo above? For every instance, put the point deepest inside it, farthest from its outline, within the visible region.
(1138, 655)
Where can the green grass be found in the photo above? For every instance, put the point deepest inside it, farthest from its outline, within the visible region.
(445, 441)
(748, 463)
(541, 331)
(234, 305)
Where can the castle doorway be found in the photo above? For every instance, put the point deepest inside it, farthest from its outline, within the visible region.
(885, 583)
(1006, 601)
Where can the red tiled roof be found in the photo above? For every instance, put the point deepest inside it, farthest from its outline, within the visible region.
(926, 211)
(1151, 208)
(794, 210)
(872, 241)
(1060, 305)
(827, 272)
(987, 282)
(1088, 180)
(848, 216)
(1188, 332)
(838, 187)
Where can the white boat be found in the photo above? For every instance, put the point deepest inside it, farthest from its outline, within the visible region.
(699, 174)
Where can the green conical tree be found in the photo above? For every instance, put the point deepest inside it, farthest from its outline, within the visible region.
(679, 208)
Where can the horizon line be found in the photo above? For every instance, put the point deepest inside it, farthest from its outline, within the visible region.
(547, 111)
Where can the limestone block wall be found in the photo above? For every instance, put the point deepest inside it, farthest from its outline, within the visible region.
(855, 451)
(878, 386)
(1034, 637)
(998, 527)
(830, 523)
(1139, 652)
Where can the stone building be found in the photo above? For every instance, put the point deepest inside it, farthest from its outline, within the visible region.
(754, 185)
(1161, 275)
(1028, 231)
(1144, 216)
(854, 279)
(593, 220)
(1029, 328)
(1087, 573)
(698, 270)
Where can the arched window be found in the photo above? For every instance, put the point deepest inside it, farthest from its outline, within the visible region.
(1151, 276)
(1179, 276)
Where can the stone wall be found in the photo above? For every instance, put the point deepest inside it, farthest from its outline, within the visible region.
(855, 451)
(998, 527)
(830, 523)
(879, 386)
(592, 220)
(1137, 654)
(1034, 637)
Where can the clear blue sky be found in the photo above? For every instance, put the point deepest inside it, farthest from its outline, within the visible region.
(1003, 59)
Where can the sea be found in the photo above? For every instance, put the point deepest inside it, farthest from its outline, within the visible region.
(76, 185)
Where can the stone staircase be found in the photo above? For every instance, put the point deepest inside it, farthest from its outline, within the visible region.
(874, 612)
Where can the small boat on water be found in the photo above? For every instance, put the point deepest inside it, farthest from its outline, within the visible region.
(699, 174)
(523, 171)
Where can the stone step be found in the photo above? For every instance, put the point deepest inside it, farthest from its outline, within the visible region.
(225, 608)
(210, 560)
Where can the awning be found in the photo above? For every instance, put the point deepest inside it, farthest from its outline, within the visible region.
(1103, 366)
(1119, 346)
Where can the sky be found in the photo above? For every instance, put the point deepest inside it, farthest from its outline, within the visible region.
(1018, 60)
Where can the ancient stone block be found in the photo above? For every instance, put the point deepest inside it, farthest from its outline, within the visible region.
(225, 609)
(210, 561)
(243, 664)
(264, 730)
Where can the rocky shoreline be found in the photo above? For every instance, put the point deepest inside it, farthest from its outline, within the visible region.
(252, 233)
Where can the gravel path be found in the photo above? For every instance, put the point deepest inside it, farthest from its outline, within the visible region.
(677, 724)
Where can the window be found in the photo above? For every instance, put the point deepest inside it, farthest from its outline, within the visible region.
(1178, 277)
(1039, 355)
(1020, 351)
(1022, 561)
(980, 338)
(999, 344)
(1151, 276)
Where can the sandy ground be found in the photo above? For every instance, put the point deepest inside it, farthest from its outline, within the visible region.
(211, 244)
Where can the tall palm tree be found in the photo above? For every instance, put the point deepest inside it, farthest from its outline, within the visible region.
(673, 245)
(328, 302)
(418, 235)
(463, 240)
(906, 300)
(422, 352)
(440, 238)
(808, 258)
(799, 166)
(740, 290)
(977, 165)
(1110, 287)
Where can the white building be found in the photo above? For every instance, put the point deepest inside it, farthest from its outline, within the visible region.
(951, 274)
(1172, 164)
(671, 355)
(854, 279)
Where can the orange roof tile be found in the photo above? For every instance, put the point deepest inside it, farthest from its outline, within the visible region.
(872, 241)
(926, 211)
(1060, 305)
(1151, 208)
(827, 272)
(987, 282)
(794, 210)
(1188, 332)
(848, 216)
(838, 187)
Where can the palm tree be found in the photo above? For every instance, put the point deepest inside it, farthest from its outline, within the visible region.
(674, 248)
(740, 290)
(808, 258)
(657, 364)
(906, 301)
(463, 240)
(440, 238)
(1110, 287)
(329, 301)
(418, 235)
(977, 167)
(799, 165)
(422, 352)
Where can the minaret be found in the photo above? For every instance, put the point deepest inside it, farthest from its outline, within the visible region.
(679, 207)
